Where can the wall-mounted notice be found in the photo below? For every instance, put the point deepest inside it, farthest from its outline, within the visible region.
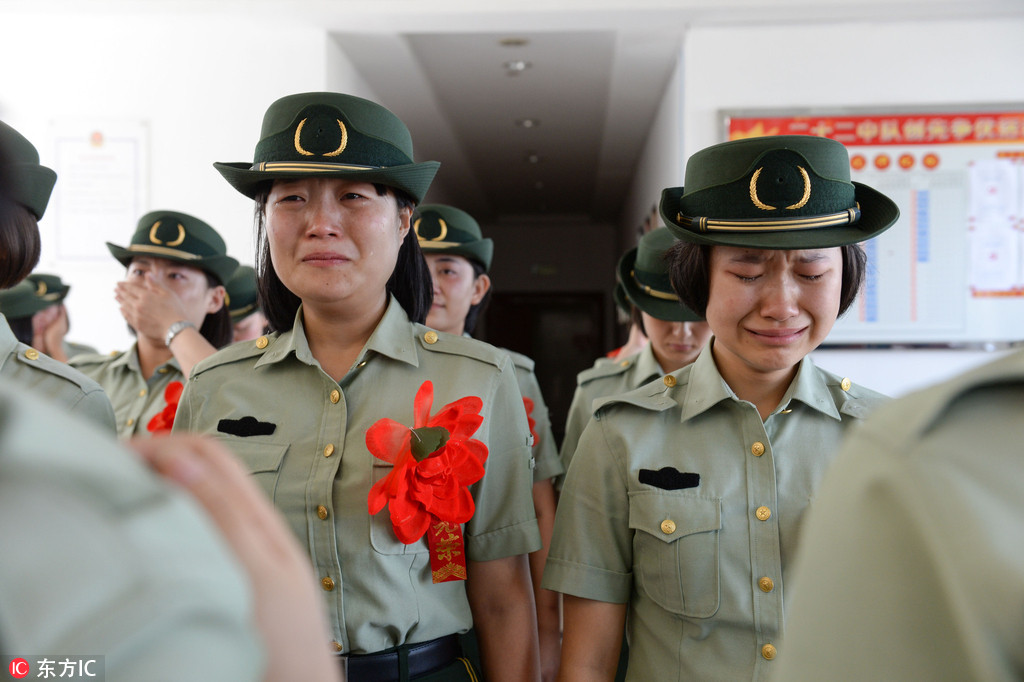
(102, 184)
(951, 271)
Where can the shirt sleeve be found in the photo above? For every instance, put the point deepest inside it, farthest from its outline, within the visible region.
(591, 549)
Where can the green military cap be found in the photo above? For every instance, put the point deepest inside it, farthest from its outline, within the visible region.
(243, 296)
(329, 134)
(181, 238)
(446, 229)
(21, 301)
(49, 288)
(30, 184)
(620, 298)
(643, 273)
(778, 192)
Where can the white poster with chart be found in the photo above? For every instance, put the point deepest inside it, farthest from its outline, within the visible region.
(951, 271)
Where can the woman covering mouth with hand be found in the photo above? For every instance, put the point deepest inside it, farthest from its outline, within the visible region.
(683, 504)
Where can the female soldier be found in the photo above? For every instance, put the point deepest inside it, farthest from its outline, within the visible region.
(685, 496)
(459, 258)
(345, 288)
(676, 335)
(173, 300)
(28, 187)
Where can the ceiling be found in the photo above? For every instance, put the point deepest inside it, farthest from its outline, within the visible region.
(523, 123)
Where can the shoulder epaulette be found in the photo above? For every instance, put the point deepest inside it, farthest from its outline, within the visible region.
(604, 369)
(852, 399)
(44, 363)
(440, 342)
(236, 352)
(655, 396)
(520, 360)
(93, 358)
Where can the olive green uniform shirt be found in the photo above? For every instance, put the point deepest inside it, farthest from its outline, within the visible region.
(62, 386)
(102, 558)
(135, 399)
(911, 565)
(545, 455)
(700, 553)
(310, 457)
(605, 379)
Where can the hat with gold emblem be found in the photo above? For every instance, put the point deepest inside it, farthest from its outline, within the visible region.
(30, 184)
(643, 273)
(21, 301)
(778, 192)
(446, 229)
(49, 288)
(243, 296)
(181, 238)
(329, 134)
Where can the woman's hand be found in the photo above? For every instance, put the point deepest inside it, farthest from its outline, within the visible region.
(289, 612)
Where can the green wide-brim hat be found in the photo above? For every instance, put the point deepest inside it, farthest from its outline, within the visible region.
(643, 274)
(777, 192)
(243, 294)
(49, 288)
(620, 298)
(329, 134)
(446, 229)
(21, 301)
(181, 238)
(30, 184)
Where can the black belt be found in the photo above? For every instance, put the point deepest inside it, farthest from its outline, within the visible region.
(385, 666)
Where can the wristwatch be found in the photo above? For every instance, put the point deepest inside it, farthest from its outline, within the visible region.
(176, 329)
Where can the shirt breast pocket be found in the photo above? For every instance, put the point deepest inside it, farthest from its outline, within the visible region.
(263, 460)
(676, 550)
(382, 533)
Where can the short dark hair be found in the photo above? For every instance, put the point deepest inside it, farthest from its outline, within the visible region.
(409, 283)
(690, 273)
(477, 309)
(19, 243)
(636, 318)
(22, 328)
(217, 327)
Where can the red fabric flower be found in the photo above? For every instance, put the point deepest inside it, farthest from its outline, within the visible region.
(529, 417)
(434, 463)
(164, 420)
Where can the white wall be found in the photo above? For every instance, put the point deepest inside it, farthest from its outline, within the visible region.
(201, 86)
(820, 65)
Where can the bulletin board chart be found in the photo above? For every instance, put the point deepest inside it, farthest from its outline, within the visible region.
(951, 270)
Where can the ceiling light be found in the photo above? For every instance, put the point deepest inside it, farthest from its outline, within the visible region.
(513, 42)
(527, 122)
(516, 67)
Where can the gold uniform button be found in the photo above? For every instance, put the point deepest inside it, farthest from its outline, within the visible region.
(327, 584)
(142, 393)
(336, 645)
(430, 337)
(361, 365)
(130, 421)
(163, 370)
(335, 396)
(766, 584)
(329, 450)
(321, 511)
(32, 354)
(757, 449)
(262, 342)
(845, 384)
(668, 526)
(768, 651)
(624, 363)
(669, 380)
(763, 513)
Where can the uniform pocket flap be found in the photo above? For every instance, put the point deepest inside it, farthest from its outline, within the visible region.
(257, 457)
(669, 517)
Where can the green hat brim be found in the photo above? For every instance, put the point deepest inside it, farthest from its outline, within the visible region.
(33, 185)
(481, 250)
(877, 214)
(413, 178)
(670, 310)
(221, 267)
(25, 306)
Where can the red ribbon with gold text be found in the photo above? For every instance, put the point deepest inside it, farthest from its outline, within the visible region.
(427, 489)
